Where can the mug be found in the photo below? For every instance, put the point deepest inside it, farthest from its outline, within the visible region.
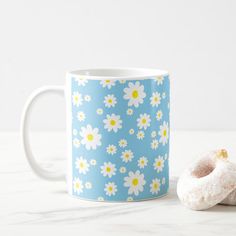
(117, 131)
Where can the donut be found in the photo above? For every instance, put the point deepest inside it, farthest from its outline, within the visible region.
(209, 181)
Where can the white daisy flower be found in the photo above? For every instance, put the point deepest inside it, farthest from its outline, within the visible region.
(108, 83)
(159, 115)
(154, 144)
(143, 122)
(158, 164)
(155, 99)
(142, 162)
(76, 142)
(134, 93)
(81, 116)
(108, 169)
(155, 186)
(81, 81)
(122, 81)
(112, 123)
(99, 111)
(130, 199)
(127, 156)
(110, 100)
(122, 169)
(129, 112)
(159, 80)
(100, 199)
(163, 181)
(153, 134)
(78, 185)
(140, 135)
(111, 149)
(164, 133)
(77, 99)
(82, 165)
(90, 137)
(87, 98)
(131, 131)
(75, 132)
(88, 185)
(123, 143)
(93, 162)
(135, 182)
(110, 189)
(164, 95)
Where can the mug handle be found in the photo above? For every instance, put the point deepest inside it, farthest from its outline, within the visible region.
(38, 170)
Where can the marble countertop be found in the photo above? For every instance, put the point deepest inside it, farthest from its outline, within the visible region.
(32, 205)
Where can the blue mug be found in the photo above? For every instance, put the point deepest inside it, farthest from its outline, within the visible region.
(118, 134)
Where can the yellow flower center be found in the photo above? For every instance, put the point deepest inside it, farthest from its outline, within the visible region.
(108, 169)
(107, 81)
(135, 94)
(144, 121)
(165, 132)
(90, 137)
(112, 122)
(155, 186)
(109, 100)
(142, 162)
(77, 185)
(156, 99)
(81, 165)
(110, 188)
(158, 163)
(76, 98)
(135, 182)
(126, 155)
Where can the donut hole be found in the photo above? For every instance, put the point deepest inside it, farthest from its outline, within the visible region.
(203, 168)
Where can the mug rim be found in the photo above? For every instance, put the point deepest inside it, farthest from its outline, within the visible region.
(117, 73)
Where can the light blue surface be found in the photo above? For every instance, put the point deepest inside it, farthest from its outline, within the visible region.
(92, 181)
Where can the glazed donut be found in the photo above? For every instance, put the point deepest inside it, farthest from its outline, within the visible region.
(209, 181)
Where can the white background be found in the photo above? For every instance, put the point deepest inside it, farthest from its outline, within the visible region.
(194, 40)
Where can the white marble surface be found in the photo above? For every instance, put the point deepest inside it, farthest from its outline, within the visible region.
(29, 205)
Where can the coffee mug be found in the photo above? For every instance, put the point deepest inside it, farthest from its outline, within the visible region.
(117, 131)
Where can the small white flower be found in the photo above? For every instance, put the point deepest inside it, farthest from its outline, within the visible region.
(122, 81)
(143, 122)
(123, 143)
(159, 115)
(93, 162)
(131, 131)
(142, 162)
(75, 132)
(81, 116)
(135, 182)
(164, 95)
(88, 185)
(81, 80)
(112, 123)
(122, 170)
(110, 189)
(100, 199)
(77, 99)
(110, 100)
(130, 199)
(159, 80)
(158, 164)
(164, 133)
(129, 112)
(154, 144)
(78, 185)
(163, 180)
(76, 142)
(82, 165)
(99, 111)
(155, 99)
(87, 98)
(111, 149)
(140, 135)
(127, 156)
(91, 137)
(108, 169)
(153, 134)
(134, 93)
(155, 186)
(108, 83)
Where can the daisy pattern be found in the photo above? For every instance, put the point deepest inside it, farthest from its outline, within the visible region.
(134, 93)
(78, 185)
(93, 162)
(122, 81)
(140, 135)
(129, 112)
(108, 83)
(110, 189)
(158, 164)
(153, 134)
(135, 182)
(143, 121)
(129, 199)
(87, 98)
(81, 116)
(142, 162)
(110, 100)
(159, 80)
(127, 156)
(108, 169)
(81, 81)
(155, 186)
(159, 115)
(90, 137)
(163, 181)
(131, 131)
(154, 144)
(76, 142)
(111, 149)
(164, 95)
(99, 111)
(77, 99)
(164, 133)
(82, 165)
(88, 185)
(123, 143)
(122, 169)
(155, 99)
(112, 123)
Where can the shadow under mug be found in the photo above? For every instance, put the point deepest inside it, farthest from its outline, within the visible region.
(117, 131)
